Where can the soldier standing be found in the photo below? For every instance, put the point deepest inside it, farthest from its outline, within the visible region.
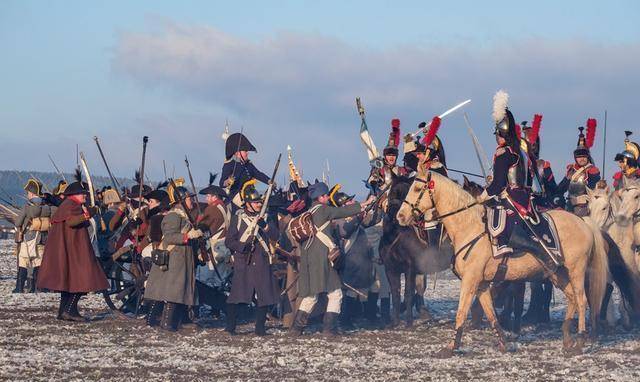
(69, 265)
(252, 273)
(581, 174)
(172, 277)
(316, 272)
(32, 225)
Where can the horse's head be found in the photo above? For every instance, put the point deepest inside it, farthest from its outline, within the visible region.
(419, 198)
(599, 205)
(472, 187)
(629, 204)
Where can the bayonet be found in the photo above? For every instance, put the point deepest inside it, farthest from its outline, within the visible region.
(193, 185)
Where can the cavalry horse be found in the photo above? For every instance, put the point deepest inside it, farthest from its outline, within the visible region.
(403, 251)
(462, 216)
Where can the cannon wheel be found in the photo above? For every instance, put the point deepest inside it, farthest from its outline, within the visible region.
(127, 289)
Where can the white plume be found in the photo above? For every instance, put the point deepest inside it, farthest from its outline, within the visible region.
(500, 101)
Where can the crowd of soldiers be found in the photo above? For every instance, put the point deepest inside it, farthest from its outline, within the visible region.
(240, 240)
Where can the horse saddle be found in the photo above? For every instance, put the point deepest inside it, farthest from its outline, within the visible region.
(541, 239)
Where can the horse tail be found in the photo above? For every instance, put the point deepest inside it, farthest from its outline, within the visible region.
(597, 271)
(623, 275)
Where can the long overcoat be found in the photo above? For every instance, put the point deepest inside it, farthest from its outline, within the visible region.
(356, 263)
(69, 263)
(176, 284)
(316, 273)
(252, 271)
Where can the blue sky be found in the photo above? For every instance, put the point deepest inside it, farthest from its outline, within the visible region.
(75, 69)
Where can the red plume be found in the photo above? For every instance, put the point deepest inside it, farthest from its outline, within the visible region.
(433, 130)
(395, 132)
(535, 129)
(518, 131)
(591, 132)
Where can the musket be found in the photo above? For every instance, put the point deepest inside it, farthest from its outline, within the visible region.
(253, 227)
(46, 187)
(164, 168)
(13, 202)
(115, 183)
(57, 169)
(480, 154)
(441, 116)
(145, 139)
(293, 283)
(193, 185)
(201, 248)
(604, 146)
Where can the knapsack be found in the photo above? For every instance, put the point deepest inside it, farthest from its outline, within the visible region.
(301, 228)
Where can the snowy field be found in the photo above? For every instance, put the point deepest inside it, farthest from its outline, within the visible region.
(36, 346)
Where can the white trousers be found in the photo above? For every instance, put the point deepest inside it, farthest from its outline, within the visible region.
(333, 303)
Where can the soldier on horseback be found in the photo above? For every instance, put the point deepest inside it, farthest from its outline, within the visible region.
(381, 177)
(581, 174)
(541, 169)
(628, 162)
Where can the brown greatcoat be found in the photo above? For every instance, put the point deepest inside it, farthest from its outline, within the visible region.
(68, 263)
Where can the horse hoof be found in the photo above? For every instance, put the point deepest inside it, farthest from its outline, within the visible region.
(568, 344)
(573, 351)
(444, 353)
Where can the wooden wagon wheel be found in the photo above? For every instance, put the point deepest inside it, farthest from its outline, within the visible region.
(127, 288)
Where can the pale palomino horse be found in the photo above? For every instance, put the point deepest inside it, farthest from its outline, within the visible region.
(473, 260)
(627, 215)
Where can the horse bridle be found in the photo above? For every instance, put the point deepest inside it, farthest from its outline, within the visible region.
(418, 214)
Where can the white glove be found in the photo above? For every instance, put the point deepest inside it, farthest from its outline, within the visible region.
(483, 197)
(194, 233)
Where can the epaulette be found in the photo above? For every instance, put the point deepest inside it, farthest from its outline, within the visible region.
(546, 164)
(617, 175)
(593, 170)
(500, 151)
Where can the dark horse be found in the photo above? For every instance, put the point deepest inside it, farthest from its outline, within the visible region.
(402, 251)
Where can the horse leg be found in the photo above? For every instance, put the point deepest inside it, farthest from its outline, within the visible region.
(577, 280)
(394, 285)
(409, 292)
(518, 305)
(561, 280)
(484, 296)
(468, 289)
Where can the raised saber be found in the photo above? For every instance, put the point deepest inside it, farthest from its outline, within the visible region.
(87, 175)
(480, 154)
(441, 116)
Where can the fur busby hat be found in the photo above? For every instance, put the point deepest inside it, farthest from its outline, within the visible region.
(394, 139)
(585, 142)
(237, 142)
(34, 186)
(212, 189)
(249, 192)
(77, 187)
(631, 152)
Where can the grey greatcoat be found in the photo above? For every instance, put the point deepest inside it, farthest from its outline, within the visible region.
(177, 283)
(27, 214)
(256, 275)
(316, 274)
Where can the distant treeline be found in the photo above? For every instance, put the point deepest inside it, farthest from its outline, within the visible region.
(12, 183)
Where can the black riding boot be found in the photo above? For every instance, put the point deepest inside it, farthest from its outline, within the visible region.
(232, 311)
(299, 322)
(371, 309)
(21, 278)
(535, 304)
(261, 319)
(545, 315)
(64, 301)
(155, 311)
(34, 280)
(346, 317)
(168, 314)
(329, 327)
(385, 310)
(71, 312)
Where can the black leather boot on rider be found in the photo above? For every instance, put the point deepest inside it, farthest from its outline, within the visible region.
(232, 316)
(299, 322)
(346, 315)
(261, 319)
(168, 317)
(154, 313)
(21, 278)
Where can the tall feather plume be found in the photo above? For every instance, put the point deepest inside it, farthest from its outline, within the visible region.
(500, 102)
(534, 132)
(394, 136)
(162, 185)
(77, 175)
(212, 178)
(591, 132)
(433, 130)
(518, 131)
(136, 176)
